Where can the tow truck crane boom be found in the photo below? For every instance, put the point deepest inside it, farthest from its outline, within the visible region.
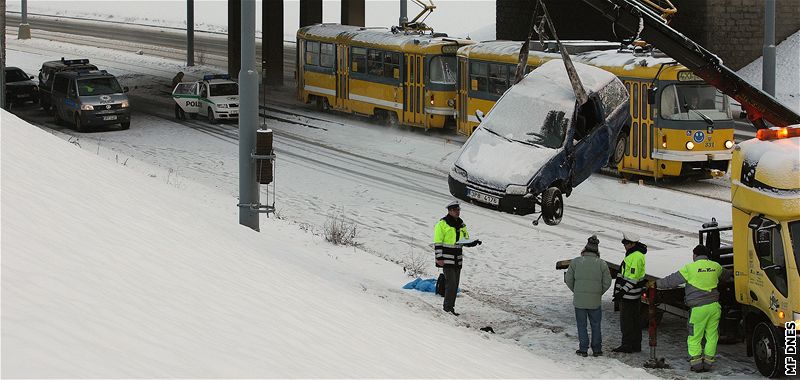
(637, 19)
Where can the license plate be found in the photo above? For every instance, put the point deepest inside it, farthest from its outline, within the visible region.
(112, 117)
(23, 95)
(483, 197)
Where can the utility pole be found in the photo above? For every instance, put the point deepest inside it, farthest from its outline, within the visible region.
(24, 32)
(3, 54)
(189, 32)
(248, 118)
(403, 13)
(768, 63)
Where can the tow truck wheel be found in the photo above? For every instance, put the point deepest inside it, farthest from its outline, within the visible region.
(765, 350)
(78, 125)
(552, 206)
(211, 118)
(619, 150)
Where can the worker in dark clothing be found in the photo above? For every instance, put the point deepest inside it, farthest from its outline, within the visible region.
(180, 114)
(177, 79)
(628, 289)
(702, 276)
(450, 234)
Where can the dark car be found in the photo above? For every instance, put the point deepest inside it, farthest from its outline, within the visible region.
(48, 71)
(89, 99)
(19, 86)
(537, 143)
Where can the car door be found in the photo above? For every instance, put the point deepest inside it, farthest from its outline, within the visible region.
(186, 96)
(202, 95)
(591, 151)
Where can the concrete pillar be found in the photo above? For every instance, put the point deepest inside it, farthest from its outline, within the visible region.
(234, 37)
(310, 12)
(24, 32)
(272, 42)
(353, 12)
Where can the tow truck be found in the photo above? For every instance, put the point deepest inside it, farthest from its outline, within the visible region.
(216, 97)
(763, 303)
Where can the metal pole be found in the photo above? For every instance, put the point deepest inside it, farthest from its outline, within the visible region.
(403, 12)
(3, 54)
(189, 32)
(248, 118)
(24, 32)
(768, 67)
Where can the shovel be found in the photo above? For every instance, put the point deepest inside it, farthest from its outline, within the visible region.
(653, 362)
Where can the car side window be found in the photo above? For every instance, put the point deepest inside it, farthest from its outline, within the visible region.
(60, 85)
(203, 91)
(73, 91)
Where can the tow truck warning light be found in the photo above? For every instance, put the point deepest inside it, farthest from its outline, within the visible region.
(778, 133)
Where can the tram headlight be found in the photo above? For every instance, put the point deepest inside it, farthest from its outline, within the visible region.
(728, 144)
(689, 145)
(451, 102)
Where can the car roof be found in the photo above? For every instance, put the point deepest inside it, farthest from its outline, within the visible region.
(86, 74)
(218, 81)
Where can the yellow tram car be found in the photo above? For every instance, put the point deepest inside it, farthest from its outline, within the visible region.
(679, 126)
(406, 78)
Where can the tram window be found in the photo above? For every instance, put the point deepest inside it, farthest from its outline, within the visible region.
(498, 78)
(312, 53)
(358, 58)
(391, 65)
(692, 102)
(443, 70)
(327, 55)
(477, 76)
(375, 62)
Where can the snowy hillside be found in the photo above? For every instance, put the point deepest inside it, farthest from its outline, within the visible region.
(787, 72)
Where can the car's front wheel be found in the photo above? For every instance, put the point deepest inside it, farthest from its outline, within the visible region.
(125, 125)
(211, 118)
(78, 124)
(552, 206)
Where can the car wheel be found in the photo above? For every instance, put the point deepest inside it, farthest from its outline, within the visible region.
(211, 118)
(45, 106)
(552, 206)
(619, 150)
(765, 350)
(78, 125)
(56, 117)
(125, 125)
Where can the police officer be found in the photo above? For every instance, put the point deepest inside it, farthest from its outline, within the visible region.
(628, 289)
(448, 231)
(701, 278)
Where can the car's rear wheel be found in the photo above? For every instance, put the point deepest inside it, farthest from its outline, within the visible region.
(619, 150)
(44, 104)
(552, 206)
(56, 117)
(211, 118)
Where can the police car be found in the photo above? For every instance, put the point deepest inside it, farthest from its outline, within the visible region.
(216, 97)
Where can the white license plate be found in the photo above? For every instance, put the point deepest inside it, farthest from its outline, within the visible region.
(112, 117)
(483, 197)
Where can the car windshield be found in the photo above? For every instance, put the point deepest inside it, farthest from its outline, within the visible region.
(693, 101)
(224, 89)
(15, 75)
(794, 235)
(443, 70)
(543, 124)
(98, 86)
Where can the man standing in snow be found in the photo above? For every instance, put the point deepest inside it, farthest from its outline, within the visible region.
(446, 235)
(628, 289)
(701, 278)
(588, 278)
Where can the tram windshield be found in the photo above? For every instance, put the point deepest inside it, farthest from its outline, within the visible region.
(443, 70)
(693, 102)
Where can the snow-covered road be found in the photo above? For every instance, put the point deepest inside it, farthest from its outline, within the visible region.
(392, 183)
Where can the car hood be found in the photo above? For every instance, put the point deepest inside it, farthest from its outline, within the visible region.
(496, 162)
(22, 83)
(224, 98)
(104, 99)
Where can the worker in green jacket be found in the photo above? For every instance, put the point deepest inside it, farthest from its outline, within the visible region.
(449, 236)
(588, 277)
(628, 289)
(702, 276)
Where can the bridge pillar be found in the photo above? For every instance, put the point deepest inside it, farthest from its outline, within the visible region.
(234, 37)
(353, 12)
(272, 42)
(310, 12)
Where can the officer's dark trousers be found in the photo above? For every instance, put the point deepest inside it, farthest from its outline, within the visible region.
(452, 275)
(629, 323)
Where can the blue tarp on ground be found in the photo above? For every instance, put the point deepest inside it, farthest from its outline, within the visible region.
(428, 285)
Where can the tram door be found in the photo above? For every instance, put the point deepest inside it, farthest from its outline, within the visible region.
(413, 90)
(463, 81)
(640, 139)
(342, 78)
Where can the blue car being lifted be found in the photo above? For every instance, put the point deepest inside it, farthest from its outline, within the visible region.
(538, 142)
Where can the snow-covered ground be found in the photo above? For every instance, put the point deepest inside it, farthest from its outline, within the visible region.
(787, 72)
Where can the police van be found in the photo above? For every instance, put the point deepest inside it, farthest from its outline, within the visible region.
(48, 71)
(216, 97)
(88, 99)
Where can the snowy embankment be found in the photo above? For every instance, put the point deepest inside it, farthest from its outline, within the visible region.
(787, 72)
(110, 273)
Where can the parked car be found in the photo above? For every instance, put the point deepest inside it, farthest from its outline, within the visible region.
(19, 86)
(537, 143)
(48, 71)
(89, 99)
(216, 97)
